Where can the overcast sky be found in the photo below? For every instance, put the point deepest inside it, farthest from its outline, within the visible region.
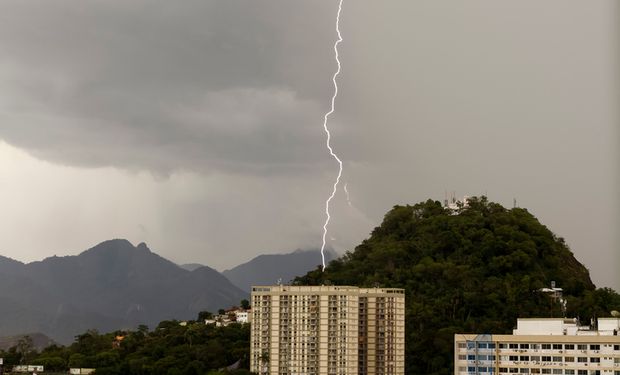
(196, 126)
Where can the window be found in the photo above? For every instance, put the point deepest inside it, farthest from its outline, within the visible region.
(491, 345)
(535, 358)
(582, 347)
(569, 346)
(569, 359)
(462, 357)
(513, 346)
(503, 346)
(482, 345)
(524, 358)
(514, 358)
(582, 359)
(595, 347)
(524, 371)
(557, 346)
(524, 346)
(462, 345)
(557, 371)
(546, 346)
(557, 359)
(569, 372)
(546, 358)
(595, 360)
(546, 371)
(617, 347)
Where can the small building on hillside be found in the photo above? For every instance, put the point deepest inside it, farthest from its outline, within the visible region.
(243, 316)
(233, 315)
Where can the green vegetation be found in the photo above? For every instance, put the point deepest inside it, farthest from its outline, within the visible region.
(472, 271)
(475, 270)
(170, 349)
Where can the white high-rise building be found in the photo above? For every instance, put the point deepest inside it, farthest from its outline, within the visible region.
(327, 330)
(542, 346)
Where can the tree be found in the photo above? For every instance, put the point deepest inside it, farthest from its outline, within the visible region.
(78, 360)
(245, 304)
(25, 348)
(204, 315)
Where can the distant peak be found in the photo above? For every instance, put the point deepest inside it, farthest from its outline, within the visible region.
(142, 246)
(116, 242)
(110, 245)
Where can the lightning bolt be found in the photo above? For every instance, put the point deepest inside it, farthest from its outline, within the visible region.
(328, 143)
(346, 192)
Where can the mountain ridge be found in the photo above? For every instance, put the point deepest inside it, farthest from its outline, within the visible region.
(268, 269)
(109, 286)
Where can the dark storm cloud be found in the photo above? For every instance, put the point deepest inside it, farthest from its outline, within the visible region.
(197, 85)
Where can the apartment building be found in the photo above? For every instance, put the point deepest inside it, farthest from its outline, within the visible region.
(327, 330)
(542, 346)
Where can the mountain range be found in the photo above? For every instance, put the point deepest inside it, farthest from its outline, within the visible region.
(111, 286)
(116, 285)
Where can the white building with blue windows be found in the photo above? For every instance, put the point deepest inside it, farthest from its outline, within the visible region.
(542, 346)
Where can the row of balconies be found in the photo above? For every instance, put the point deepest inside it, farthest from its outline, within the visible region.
(551, 351)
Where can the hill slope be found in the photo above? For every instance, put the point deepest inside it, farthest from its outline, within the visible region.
(475, 270)
(268, 269)
(113, 285)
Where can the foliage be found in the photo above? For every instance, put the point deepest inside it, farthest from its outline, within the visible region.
(475, 270)
(171, 348)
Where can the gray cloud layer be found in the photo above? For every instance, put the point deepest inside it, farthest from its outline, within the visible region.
(514, 99)
(198, 85)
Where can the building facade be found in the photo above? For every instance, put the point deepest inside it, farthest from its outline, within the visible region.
(542, 346)
(327, 330)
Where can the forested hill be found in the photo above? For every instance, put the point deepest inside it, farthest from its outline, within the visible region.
(474, 270)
